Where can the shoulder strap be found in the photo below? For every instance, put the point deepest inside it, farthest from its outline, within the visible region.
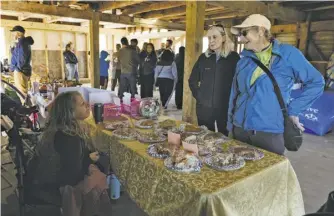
(276, 87)
(160, 71)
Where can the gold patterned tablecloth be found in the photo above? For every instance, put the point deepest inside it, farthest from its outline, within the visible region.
(267, 187)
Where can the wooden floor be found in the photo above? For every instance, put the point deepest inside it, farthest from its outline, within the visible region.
(313, 164)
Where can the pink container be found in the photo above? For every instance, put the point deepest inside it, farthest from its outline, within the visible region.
(110, 111)
(133, 109)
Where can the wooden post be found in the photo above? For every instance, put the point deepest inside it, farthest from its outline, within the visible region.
(94, 50)
(61, 56)
(46, 55)
(305, 34)
(195, 12)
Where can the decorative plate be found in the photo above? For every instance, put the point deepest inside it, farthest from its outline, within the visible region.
(116, 125)
(153, 151)
(192, 164)
(192, 129)
(151, 137)
(236, 162)
(248, 153)
(215, 137)
(125, 134)
(145, 123)
(149, 107)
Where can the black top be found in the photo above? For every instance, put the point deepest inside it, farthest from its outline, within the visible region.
(70, 57)
(211, 80)
(148, 63)
(74, 158)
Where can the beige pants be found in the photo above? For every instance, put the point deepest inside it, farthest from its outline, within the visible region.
(21, 83)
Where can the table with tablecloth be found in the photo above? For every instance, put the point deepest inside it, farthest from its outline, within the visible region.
(264, 188)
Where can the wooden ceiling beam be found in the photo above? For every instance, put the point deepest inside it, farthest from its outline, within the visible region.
(53, 10)
(223, 16)
(268, 9)
(179, 11)
(164, 13)
(109, 5)
(152, 7)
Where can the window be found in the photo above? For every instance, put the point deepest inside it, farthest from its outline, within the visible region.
(240, 46)
(103, 42)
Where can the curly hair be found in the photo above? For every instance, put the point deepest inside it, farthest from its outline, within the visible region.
(61, 118)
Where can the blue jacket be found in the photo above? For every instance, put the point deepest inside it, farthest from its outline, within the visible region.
(21, 56)
(166, 71)
(104, 64)
(256, 107)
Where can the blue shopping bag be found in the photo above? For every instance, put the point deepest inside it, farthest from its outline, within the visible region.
(319, 118)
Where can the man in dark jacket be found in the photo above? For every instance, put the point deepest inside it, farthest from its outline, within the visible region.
(129, 60)
(21, 58)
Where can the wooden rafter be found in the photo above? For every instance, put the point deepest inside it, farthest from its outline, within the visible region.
(173, 12)
(268, 9)
(164, 13)
(104, 6)
(152, 7)
(53, 10)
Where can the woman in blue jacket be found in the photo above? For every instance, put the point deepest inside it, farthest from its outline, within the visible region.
(254, 115)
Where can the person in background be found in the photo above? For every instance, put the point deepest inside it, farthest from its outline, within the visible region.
(148, 63)
(179, 60)
(116, 68)
(165, 77)
(211, 79)
(255, 115)
(330, 73)
(71, 62)
(129, 60)
(104, 67)
(169, 46)
(162, 48)
(134, 44)
(21, 60)
(66, 156)
(144, 49)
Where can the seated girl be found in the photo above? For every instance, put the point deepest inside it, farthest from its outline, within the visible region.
(66, 156)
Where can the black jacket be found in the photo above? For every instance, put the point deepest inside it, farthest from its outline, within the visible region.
(211, 81)
(70, 57)
(148, 63)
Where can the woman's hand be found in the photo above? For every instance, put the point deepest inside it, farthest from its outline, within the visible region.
(6, 122)
(94, 156)
(295, 120)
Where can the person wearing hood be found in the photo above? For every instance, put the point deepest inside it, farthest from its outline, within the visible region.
(104, 67)
(21, 59)
(165, 77)
(211, 80)
(71, 62)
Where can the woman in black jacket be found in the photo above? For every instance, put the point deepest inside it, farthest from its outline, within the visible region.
(211, 80)
(179, 60)
(148, 61)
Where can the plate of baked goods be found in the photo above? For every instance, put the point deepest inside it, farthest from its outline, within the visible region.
(114, 125)
(248, 153)
(183, 161)
(151, 137)
(193, 129)
(125, 134)
(159, 150)
(225, 161)
(145, 123)
(164, 126)
(214, 137)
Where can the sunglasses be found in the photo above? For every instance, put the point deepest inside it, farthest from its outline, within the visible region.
(217, 25)
(245, 32)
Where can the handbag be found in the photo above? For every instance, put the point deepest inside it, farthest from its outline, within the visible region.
(293, 136)
(156, 81)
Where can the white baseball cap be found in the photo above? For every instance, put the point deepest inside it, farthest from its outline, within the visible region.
(252, 20)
